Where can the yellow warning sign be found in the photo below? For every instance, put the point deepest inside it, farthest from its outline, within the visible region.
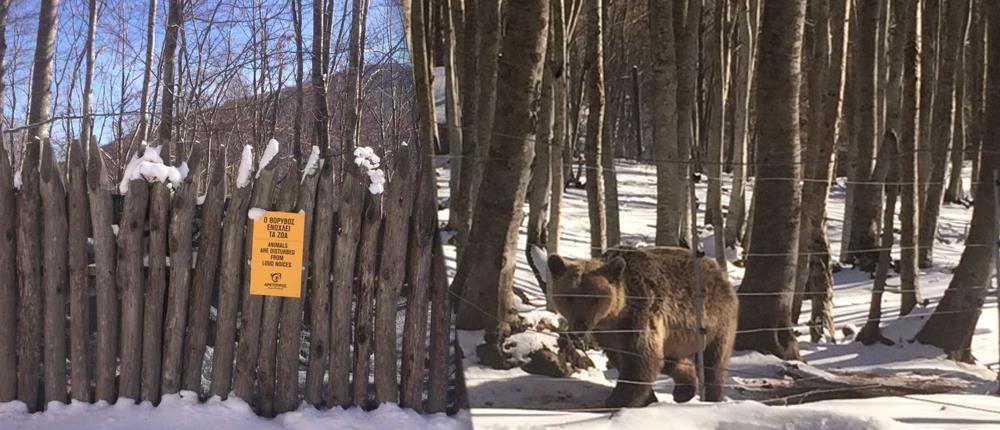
(276, 260)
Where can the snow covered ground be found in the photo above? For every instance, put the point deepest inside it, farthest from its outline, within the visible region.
(514, 398)
(183, 411)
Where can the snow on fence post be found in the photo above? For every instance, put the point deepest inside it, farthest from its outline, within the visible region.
(76, 245)
(289, 340)
(8, 282)
(101, 221)
(206, 269)
(698, 310)
(437, 384)
(181, 235)
(392, 273)
(264, 197)
(230, 273)
(130, 253)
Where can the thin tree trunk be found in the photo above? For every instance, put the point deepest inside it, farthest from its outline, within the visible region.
(940, 144)
(468, 48)
(954, 320)
(955, 192)
(541, 175)
(715, 129)
(142, 132)
(909, 188)
(771, 262)
(667, 119)
(686, 24)
(975, 78)
(296, 6)
(595, 123)
(609, 133)
(870, 333)
(929, 38)
(867, 196)
(8, 249)
(558, 67)
(736, 216)
(453, 101)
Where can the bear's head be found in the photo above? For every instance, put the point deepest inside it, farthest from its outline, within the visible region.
(586, 292)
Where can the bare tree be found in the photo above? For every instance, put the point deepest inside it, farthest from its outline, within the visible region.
(953, 322)
(486, 274)
(595, 124)
(766, 319)
(666, 123)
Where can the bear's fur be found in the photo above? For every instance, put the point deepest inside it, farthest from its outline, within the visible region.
(639, 305)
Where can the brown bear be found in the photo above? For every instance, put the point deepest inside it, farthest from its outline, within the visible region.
(639, 305)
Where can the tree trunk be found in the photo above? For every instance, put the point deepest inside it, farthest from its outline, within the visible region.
(8, 249)
(736, 216)
(668, 120)
(463, 198)
(954, 320)
(539, 185)
(206, 269)
(142, 131)
(486, 273)
(929, 38)
(441, 306)
(558, 67)
(453, 102)
(686, 26)
(595, 123)
(771, 263)
(870, 333)
(824, 89)
(955, 191)
(941, 134)
(609, 135)
(867, 196)
(296, 6)
(715, 129)
(975, 65)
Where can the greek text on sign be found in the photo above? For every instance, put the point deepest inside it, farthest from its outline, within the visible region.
(276, 259)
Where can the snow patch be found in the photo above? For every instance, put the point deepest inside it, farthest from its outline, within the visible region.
(269, 152)
(312, 164)
(246, 167)
(17, 179)
(201, 199)
(366, 158)
(521, 345)
(151, 168)
(255, 213)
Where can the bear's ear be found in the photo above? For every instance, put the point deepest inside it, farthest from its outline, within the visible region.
(557, 266)
(614, 268)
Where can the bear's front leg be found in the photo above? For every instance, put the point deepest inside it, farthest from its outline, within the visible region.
(685, 375)
(636, 374)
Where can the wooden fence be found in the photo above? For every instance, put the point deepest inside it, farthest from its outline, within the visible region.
(139, 310)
